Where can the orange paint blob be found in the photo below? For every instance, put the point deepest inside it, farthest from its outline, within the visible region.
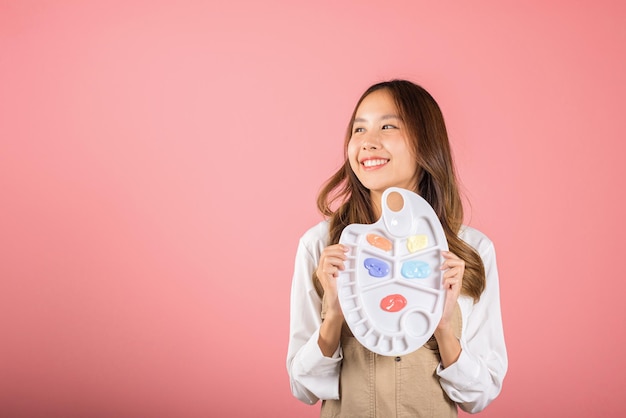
(379, 242)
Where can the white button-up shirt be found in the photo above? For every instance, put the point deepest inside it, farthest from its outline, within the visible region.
(473, 381)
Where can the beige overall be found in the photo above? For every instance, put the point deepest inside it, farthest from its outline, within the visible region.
(378, 386)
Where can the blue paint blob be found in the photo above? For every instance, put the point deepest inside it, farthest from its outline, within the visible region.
(415, 269)
(376, 267)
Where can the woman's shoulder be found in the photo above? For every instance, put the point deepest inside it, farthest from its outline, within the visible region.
(316, 233)
(471, 235)
(477, 239)
(317, 236)
(314, 239)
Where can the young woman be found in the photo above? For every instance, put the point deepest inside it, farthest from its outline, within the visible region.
(396, 137)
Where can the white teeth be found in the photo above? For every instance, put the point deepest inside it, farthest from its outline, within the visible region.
(372, 163)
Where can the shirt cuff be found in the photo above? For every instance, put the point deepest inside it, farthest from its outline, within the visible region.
(315, 363)
(462, 373)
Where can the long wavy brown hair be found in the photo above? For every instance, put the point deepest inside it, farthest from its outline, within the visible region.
(435, 174)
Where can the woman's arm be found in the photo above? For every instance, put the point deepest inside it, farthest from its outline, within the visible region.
(449, 345)
(313, 375)
(331, 262)
(475, 379)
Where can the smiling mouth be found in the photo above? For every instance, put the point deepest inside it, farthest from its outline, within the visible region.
(374, 163)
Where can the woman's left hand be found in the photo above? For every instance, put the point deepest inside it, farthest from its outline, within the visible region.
(452, 282)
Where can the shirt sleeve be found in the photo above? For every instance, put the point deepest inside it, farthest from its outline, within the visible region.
(312, 375)
(475, 379)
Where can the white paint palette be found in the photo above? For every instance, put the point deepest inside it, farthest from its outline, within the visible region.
(390, 291)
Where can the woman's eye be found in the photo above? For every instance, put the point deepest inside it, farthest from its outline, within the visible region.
(389, 127)
(357, 130)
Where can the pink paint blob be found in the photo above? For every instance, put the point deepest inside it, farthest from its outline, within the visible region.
(393, 303)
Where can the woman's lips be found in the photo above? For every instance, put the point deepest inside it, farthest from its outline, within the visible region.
(372, 163)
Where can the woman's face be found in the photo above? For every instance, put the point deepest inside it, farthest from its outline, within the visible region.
(379, 150)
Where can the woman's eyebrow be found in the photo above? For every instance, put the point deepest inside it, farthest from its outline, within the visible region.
(384, 117)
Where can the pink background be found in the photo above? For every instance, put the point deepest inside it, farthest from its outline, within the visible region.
(159, 161)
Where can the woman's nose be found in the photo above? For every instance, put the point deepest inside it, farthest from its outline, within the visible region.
(370, 142)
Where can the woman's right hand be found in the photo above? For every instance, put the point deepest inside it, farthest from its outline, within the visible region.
(331, 263)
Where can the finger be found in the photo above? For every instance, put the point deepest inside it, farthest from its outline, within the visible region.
(452, 263)
(449, 255)
(452, 275)
(335, 262)
(330, 268)
(339, 248)
(335, 252)
(453, 272)
(450, 267)
(452, 283)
